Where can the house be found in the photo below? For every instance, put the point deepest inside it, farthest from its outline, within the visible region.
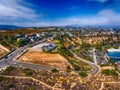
(30, 36)
(39, 35)
(50, 47)
(33, 39)
(70, 35)
(18, 36)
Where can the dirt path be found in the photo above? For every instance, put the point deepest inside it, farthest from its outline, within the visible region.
(19, 77)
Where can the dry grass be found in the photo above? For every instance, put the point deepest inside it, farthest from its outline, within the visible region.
(43, 58)
(107, 67)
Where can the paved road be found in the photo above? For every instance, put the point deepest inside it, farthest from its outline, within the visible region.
(95, 68)
(10, 61)
(94, 56)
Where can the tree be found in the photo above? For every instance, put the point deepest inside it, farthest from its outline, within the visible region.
(83, 74)
(68, 69)
(20, 42)
(106, 71)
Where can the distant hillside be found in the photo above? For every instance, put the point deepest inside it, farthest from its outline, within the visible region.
(7, 27)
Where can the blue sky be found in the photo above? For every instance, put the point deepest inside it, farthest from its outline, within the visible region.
(59, 12)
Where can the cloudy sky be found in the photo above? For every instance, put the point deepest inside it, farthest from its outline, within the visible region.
(59, 12)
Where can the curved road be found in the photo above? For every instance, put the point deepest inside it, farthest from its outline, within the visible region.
(95, 68)
(10, 61)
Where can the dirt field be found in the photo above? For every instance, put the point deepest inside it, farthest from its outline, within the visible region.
(54, 60)
(2, 53)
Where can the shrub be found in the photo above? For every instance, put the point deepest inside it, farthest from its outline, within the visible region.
(68, 69)
(110, 72)
(9, 85)
(114, 73)
(54, 70)
(28, 72)
(83, 74)
(106, 71)
(1, 78)
(10, 68)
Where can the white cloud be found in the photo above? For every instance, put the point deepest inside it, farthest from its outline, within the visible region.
(15, 9)
(11, 12)
(34, 24)
(107, 12)
(104, 17)
(83, 21)
(112, 17)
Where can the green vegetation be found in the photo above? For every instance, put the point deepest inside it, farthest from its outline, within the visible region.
(28, 72)
(31, 88)
(110, 72)
(1, 78)
(64, 51)
(89, 59)
(68, 69)
(116, 47)
(83, 74)
(56, 41)
(9, 85)
(75, 64)
(54, 70)
(10, 68)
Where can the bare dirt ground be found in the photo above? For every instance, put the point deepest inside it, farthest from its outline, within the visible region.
(2, 53)
(43, 58)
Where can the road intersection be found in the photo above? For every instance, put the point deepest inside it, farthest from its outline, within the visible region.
(11, 60)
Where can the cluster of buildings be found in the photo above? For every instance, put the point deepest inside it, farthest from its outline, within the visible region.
(32, 37)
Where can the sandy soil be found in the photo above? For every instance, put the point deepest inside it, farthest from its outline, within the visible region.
(54, 60)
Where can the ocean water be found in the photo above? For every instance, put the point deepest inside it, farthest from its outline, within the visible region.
(113, 54)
